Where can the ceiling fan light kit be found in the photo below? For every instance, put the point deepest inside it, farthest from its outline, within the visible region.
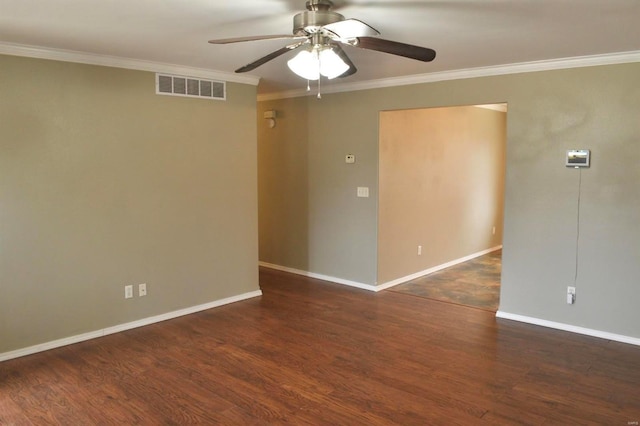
(320, 60)
(322, 31)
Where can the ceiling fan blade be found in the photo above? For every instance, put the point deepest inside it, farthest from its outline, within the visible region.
(395, 48)
(255, 64)
(253, 38)
(341, 53)
(351, 28)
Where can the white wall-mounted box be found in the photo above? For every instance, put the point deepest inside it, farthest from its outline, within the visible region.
(578, 158)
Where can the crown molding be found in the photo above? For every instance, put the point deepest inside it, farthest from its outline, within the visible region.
(118, 62)
(518, 68)
(141, 65)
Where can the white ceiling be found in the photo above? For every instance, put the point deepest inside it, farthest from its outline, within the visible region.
(466, 34)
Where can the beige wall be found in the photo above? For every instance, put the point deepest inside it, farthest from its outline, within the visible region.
(103, 183)
(441, 186)
(282, 184)
(549, 112)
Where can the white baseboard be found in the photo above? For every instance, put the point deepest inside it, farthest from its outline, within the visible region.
(570, 328)
(122, 327)
(437, 268)
(376, 288)
(320, 276)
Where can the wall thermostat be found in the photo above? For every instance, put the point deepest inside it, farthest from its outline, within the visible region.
(578, 158)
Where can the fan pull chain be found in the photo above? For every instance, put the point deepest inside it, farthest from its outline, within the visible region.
(319, 74)
(308, 86)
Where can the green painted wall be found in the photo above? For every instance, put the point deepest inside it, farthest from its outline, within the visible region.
(282, 184)
(103, 183)
(549, 112)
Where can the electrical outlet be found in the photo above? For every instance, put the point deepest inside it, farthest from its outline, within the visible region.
(142, 290)
(571, 295)
(128, 291)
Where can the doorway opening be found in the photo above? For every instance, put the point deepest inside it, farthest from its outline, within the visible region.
(441, 202)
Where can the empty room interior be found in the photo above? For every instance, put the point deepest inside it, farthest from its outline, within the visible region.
(185, 241)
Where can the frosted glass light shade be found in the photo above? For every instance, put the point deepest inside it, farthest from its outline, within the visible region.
(310, 64)
(331, 65)
(305, 64)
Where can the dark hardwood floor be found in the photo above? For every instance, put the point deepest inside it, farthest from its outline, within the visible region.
(475, 283)
(308, 352)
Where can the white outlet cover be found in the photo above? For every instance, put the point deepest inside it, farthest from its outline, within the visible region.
(350, 159)
(363, 191)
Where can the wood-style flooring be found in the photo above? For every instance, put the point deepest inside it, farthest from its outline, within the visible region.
(473, 283)
(309, 352)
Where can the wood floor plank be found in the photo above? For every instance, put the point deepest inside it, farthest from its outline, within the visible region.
(474, 283)
(311, 352)
(12, 414)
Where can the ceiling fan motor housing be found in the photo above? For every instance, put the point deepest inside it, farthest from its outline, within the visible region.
(317, 16)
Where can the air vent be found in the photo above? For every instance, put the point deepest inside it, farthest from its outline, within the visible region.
(176, 85)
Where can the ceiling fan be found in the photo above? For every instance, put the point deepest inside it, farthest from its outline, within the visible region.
(319, 33)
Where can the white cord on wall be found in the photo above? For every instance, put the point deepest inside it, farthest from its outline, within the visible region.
(575, 278)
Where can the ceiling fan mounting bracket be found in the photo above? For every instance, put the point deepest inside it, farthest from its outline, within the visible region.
(319, 5)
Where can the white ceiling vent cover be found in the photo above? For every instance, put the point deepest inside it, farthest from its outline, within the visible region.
(177, 85)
